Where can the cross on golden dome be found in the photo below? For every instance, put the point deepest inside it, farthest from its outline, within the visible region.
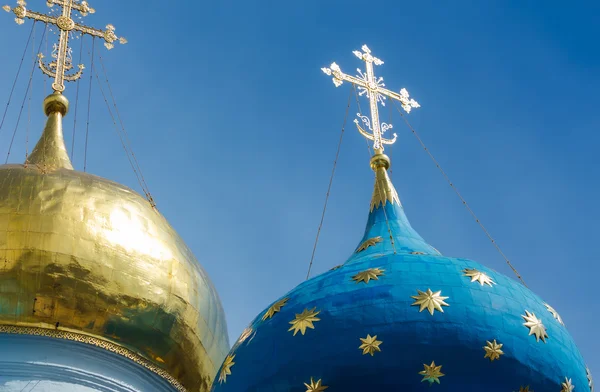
(375, 90)
(58, 68)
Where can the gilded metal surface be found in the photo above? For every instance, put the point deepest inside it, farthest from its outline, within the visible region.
(58, 68)
(567, 386)
(431, 373)
(304, 320)
(384, 191)
(315, 386)
(430, 301)
(370, 345)
(375, 90)
(369, 242)
(226, 368)
(367, 275)
(276, 307)
(554, 314)
(478, 276)
(94, 341)
(82, 254)
(535, 325)
(493, 350)
(50, 152)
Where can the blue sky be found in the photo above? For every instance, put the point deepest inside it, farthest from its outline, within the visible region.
(236, 127)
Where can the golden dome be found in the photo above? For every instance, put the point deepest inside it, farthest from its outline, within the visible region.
(87, 259)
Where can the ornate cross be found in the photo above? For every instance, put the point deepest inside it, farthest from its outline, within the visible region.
(375, 90)
(58, 68)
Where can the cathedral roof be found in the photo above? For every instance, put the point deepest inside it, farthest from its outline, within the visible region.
(90, 265)
(90, 260)
(398, 315)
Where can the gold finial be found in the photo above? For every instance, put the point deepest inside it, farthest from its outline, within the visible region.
(50, 152)
(62, 63)
(384, 191)
(375, 90)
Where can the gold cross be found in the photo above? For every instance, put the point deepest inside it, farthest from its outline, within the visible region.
(375, 90)
(57, 69)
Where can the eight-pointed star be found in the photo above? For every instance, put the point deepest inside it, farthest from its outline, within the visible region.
(431, 373)
(430, 301)
(370, 344)
(493, 350)
(304, 320)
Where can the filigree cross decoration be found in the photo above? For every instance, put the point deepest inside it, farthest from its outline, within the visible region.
(62, 63)
(375, 90)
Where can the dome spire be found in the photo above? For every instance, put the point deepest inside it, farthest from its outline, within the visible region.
(384, 191)
(50, 152)
(388, 229)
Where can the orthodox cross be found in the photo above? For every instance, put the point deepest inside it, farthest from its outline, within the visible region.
(375, 90)
(58, 68)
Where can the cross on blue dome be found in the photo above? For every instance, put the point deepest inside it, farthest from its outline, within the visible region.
(400, 316)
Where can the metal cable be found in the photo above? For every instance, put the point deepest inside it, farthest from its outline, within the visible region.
(23, 103)
(87, 126)
(29, 105)
(26, 385)
(128, 149)
(12, 90)
(337, 154)
(46, 79)
(391, 145)
(460, 196)
(120, 136)
(76, 104)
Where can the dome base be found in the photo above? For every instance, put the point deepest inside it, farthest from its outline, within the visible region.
(59, 365)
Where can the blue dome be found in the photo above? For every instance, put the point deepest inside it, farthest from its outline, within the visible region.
(399, 316)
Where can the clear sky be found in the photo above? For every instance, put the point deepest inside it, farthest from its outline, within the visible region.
(236, 127)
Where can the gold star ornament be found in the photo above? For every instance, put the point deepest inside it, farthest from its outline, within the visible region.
(226, 368)
(567, 386)
(535, 326)
(431, 373)
(245, 335)
(304, 320)
(367, 275)
(478, 276)
(368, 243)
(554, 314)
(315, 386)
(493, 350)
(276, 307)
(370, 344)
(525, 389)
(430, 301)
